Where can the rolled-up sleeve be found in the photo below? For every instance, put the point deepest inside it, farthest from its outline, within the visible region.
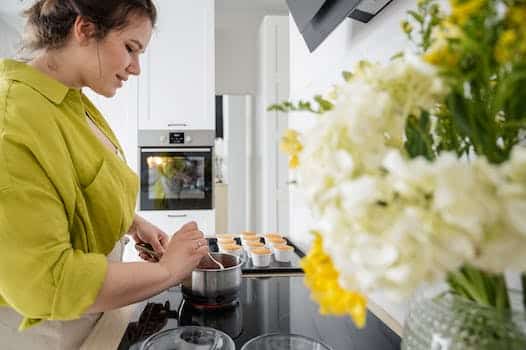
(41, 275)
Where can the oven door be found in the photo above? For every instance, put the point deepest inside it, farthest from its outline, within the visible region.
(176, 178)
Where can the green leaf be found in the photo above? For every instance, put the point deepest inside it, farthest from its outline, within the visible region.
(304, 106)
(397, 55)
(419, 140)
(418, 17)
(324, 104)
(276, 107)
(347, 76)
(288, 106)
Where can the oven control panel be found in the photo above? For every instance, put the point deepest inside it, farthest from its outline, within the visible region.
(162, 138)
(176, 138)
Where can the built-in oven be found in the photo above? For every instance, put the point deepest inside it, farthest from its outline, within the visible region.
(175, 169)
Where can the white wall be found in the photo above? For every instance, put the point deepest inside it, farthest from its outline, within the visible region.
(236, 40)
(237, 114)
(314, 73)
(11, 26)
(10, 34)
(11, 11)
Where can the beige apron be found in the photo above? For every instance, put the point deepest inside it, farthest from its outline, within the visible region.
(92, 331)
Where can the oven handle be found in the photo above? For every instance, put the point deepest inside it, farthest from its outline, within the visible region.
(150, 150)
(177, 215)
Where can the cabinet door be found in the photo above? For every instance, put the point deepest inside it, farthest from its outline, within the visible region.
(121, 113)
(176, 87)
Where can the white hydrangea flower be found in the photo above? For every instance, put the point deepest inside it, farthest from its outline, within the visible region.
(464, 196)
(392, 223)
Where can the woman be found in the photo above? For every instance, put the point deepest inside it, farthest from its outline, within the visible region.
(66, 195)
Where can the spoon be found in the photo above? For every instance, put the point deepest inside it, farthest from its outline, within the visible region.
(217, 262)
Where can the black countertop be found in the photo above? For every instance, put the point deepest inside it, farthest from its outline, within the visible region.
(266, 305)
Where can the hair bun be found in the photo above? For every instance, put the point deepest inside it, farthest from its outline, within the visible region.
(47, 7)
(49, 22)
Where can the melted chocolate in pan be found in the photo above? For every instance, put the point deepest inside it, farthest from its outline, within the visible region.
(207, 264)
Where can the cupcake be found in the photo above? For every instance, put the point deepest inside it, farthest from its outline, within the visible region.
(261, 256)
(247, 239)
(233, 249)
(283, 253)
(225, 240)
(251, 245)
(225, 235)
(248, 233)
(269, 236)
(272, 242)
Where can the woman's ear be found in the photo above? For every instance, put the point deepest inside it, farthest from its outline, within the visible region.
(83, 31)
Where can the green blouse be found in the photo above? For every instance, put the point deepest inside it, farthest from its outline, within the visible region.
(65, 198)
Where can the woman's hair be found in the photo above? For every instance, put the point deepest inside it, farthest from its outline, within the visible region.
(49, 22)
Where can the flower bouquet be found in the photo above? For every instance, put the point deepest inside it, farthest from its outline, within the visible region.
(414, 170)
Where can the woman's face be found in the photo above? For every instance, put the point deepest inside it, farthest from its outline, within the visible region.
(116, 57)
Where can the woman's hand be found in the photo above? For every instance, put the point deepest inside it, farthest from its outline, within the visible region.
(184, 252)
(143, 231)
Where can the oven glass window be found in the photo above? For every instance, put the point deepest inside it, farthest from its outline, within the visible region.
(176, 179)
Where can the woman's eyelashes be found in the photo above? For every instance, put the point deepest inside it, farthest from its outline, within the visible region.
(129, 48)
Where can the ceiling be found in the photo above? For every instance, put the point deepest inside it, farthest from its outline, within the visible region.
(270, 5)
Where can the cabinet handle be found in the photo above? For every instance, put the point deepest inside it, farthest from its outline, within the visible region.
(177, 124)
(177, 215)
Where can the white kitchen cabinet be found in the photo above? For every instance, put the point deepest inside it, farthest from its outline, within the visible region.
(121, 113)
(271, 166)
(171, 221)
(176, 86)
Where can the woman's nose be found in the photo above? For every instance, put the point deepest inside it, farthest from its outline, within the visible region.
(134, 67)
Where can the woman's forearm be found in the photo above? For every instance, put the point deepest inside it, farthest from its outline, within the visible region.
(128, 283)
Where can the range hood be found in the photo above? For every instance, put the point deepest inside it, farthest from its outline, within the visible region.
(367, 9)
(316, 19)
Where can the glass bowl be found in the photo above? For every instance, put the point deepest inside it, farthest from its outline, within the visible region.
(449, 321)
(283, 342)
(189, 338)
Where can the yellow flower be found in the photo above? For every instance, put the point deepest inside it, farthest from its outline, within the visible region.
(322, 278)
(511, 45)
(517, 16)
(461, 10)
(441, 53)
(441, 57)
(504, 47)
(508, 37)
(294, 162)
(291, 145)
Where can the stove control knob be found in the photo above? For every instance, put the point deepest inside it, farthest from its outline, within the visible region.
(163, 139)
(188, 139)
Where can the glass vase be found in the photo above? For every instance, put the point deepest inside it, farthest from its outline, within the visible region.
(452, 322)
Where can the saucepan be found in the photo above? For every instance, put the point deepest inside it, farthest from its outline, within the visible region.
(209, 285)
